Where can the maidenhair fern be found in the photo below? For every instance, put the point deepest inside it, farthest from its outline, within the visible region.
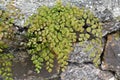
(54, 30)
(5, 66)
(5, 58)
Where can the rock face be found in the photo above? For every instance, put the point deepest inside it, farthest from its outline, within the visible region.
(111, 59)
(111, 26)
(81, 67)
(79, 55)
(29, 6)
(104, 9)
(80, 63)
(85, 72)
(24, 70)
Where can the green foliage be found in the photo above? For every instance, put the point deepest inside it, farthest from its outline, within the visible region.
(5, 23)
(5, 58)
(54, 30)
(5, 66)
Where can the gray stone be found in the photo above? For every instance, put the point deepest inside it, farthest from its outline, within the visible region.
(111, 58)
(99, 5)
(105, 15)
(79, 55)
(104, 9)
(85, 72)
(109, 27)
(25, 70)
(29, 6)
(1, 78)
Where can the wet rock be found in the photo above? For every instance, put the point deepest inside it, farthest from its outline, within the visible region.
(85, 72)
(111, 58)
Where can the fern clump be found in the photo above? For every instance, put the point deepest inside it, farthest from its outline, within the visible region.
(5, 58)
(54, 30)
(5, 66)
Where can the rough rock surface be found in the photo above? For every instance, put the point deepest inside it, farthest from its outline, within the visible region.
(104, 9)
(24, 70)
(80, 67)
(85, 72)
(111, 58)
(79, 55)
(29, 6)
(109, 27)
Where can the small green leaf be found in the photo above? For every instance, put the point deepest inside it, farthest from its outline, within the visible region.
(49, 70)
(37, 70)
(87, 36)
(88, 29)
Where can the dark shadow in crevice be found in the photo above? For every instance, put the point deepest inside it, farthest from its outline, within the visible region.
(102, 54)
(88, 62)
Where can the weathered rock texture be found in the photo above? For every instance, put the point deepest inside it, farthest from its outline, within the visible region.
(104, 9)
(111, 26)
(79, 55)
(80, 64)
(111, 59)
(85, 72)
(29, 6)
